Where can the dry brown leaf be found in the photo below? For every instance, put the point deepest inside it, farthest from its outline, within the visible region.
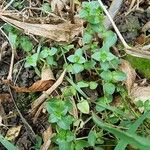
(37, 103)
(64, 32)
(140, 93)
(58, 5)
(13, 132)
(130, 72)
(74, 111)
(40, 85)
(5, 97)
(47, 135)
(146, 27)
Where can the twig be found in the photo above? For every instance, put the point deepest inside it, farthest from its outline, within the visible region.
(114, 26)
(27, 126)
(113, 10)
(72, 11)
(45, 95)
(129, 50)
(9, 77)
(8, 5)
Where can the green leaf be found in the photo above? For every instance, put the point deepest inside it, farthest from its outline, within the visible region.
(96, 56)
(81, 60)
(38, 143)
(82, 84)
(26, 44)
(89, 64)
(87, 38)
(106, 75)
(31, 60)
(7, 144)
(46, 8)
(68, 47)
(102, 102)
(65, 122)
(110, 38)
(118, 75)
(57, 106)
(105, 66)
(52, 51)
(50, 60)
(44, 53)
(64, 145)
(81, 144)
(98, 148)
(83, 106)
(12, 39)
(133, 139)
(77, 88)
(109, 88)
(92, 138)
(64, 135)
(71, 58)
(83, 13)
(76, 68)
(93, 85)
(53, 118)
(79, 52)
(122, 144)
(69, 91)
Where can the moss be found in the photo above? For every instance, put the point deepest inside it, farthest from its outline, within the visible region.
(142, 65)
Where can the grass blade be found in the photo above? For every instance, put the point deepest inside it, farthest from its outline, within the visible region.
(7, 144)
(132, 139)
(122, 144)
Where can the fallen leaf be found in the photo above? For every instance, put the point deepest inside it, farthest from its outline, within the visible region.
(130, 72)
(141, 39)
(5, 97)
(58, 5)
(74, 111)
(47, 74)
(63, 32)
(38, 102)
(146, 27)
(40, 85)
(13, 132)
(141, 93)
(47, 135)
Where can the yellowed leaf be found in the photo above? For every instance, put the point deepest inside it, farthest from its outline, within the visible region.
(130, 72)
(63, 32)
(13, 132)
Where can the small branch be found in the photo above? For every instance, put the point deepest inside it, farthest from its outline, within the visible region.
(114, 26)
(9, 77)
(36, 104)
(7, 5)
(113, 10)
(72, 11)
(28, 128)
